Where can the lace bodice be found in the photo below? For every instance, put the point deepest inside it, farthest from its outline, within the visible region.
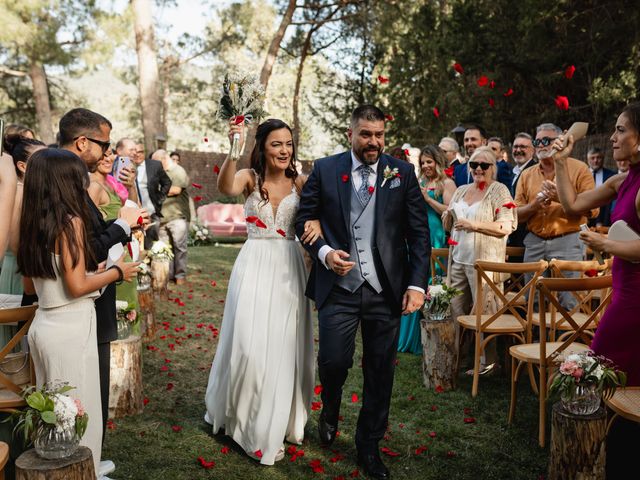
(258, 213)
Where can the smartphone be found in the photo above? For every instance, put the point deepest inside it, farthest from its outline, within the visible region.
(119, 164)
(1, 136)
(597, 255)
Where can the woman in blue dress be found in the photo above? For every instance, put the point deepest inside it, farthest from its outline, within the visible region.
(437, 190)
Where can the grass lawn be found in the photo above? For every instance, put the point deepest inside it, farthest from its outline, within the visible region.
(165, 441)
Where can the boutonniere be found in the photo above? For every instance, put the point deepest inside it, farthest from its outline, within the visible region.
(345, 178)
(388, 174)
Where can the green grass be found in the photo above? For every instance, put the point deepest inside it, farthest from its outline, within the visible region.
(146, 447)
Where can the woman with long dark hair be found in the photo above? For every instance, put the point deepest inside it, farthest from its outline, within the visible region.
(261, 381)
(62, 338)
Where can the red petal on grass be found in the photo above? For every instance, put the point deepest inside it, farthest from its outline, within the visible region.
(216, 169)
(224, 450)
(450, 241)
(213, 283)
(145, 401)
(387, 451)
(111, 425)
(510, 205)
(492, 84)
(451, 454)
(196, 185)
(281, 232)
(169, 386)
(258, 453)
(469, 420)
(317, 389)
(316, 406)
(176, 428)
(205, 464)
(492, 102)
(260, 223)
(436, 112)
(569, 71)
(508, 93)
(411, 398)
(467, 411)
(389, 118)
(316, 466)
(434, 408)
(439, 389)
(354, 474)
(421, 449)
(354, 398)
(432, 434)
(458, 68)
(562, 102)
(483, 81)
(382, 79)
(164, 368)
(197, 198)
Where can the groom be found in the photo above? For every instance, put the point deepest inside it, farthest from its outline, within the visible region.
(372, 265)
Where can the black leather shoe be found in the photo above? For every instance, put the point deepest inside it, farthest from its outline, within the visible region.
(326, 430)
(373, 466)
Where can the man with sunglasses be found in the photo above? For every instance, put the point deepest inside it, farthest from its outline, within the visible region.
(552, 233)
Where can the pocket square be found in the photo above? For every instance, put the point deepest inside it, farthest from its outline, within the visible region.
(394, 183)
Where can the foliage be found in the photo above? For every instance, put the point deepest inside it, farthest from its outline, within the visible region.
(126, 311)
(439, 296)
(586, 368)
(160, 251)
(49, 407)
(199, 234)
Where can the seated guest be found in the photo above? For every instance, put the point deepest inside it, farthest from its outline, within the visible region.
(552, 232)
(595, 159)
(483, 222)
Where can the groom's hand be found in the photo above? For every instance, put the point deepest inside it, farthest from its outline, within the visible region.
(412, 301)
(336, 259)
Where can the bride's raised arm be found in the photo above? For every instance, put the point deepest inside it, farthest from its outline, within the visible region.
(230, 181)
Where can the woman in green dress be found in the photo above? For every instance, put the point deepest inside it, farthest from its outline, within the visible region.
(437, 190)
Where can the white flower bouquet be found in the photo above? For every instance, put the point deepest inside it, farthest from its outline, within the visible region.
(587, 368)
(438, 300)
(161, 251)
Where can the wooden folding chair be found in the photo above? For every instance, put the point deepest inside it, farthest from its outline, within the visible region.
(439, 258)
(10, 397)
(625, 403)
(515, 283)
(508, 319)
(4, 457)
(544, 354)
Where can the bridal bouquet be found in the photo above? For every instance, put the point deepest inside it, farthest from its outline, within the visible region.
(50, 412)
(438, 300)
(242, 100)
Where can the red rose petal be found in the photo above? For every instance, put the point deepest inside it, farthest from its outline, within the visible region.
(205, 464)
(258, 453)
(436, 112)
(562, 102)
(458, 68)
(492, 102)
(389, 452)
(140, 221)
(450, 241)
(238, 119)
(205, 140)
(569, 71)
(497, 210)
(354, 398)
(432, 434)
(316, 406)
(216, 169)
(281, 232)
(371, 190)
(492, 84)
(169, 386)
(510, 205)
(196, 185)
(406, 152)
(213, 283)
(251, 219)
(483, 81)
(421, 449)
(434, 408)
(382, 79)
(389, 118)
(451, 454)
(317, 389)
(145, 401)
(197, 198)
(224, 450)
(482, 185)
(469, 420)
(439, 389)
(591, 273)
(260, 223)
(449, 171)
(345, 178)
(176, 428)
(354, 474)
(508, 93)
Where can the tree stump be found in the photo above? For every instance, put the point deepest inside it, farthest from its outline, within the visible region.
(147, 314)
(125, 389)
(578, 449)
(160, 277)
(79, 466)
(439, 353)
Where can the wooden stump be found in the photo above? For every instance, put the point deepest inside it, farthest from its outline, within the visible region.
(125, 389)
(439, 353)
(160, 278)
(79, 466)
(148, 325)
(577, 445)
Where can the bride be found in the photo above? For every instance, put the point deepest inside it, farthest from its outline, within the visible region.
(261, 381)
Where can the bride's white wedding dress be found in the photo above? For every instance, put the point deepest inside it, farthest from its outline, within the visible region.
(261, 381)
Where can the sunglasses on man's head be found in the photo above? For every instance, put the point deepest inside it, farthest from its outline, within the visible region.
(482, 165)
(544, 141)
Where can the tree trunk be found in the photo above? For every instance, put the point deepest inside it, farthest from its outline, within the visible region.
(41, 97)
(296, 92)
(125, 389)
(79, 466)
(577, 445)
(147, 314)
(439, 352)
(149, 81)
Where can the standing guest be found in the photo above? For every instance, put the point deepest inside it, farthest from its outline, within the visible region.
(371, 267)
(618, 334)
(496, 144)
(20, 130)
(476, 137)
(480, 233)
(62, 338)
(595, 159)
(176, 215)
(153, 187)
(261, 381)
(523, 156)
(451, 150)
(125, 147)
(553, 233)
(86, 134)
(175, 156)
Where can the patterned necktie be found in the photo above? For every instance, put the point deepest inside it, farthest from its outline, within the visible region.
(363, 191)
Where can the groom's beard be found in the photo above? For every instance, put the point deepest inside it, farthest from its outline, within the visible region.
(369, 156)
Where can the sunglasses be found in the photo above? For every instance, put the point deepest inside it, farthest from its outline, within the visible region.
(544, 141)
(482, 165)
(103, 145)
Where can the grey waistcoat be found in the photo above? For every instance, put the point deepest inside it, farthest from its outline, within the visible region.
(362, 223)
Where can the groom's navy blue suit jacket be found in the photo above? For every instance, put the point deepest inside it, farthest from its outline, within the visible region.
(401, 246)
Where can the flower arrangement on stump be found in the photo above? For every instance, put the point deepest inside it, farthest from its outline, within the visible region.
(160, 256)
(582, 379)
(438, 301)
(126, 316)
(52, 421)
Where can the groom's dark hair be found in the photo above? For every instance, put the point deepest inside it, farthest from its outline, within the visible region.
(366, 112)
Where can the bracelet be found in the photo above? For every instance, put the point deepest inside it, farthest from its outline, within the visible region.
(120, 274)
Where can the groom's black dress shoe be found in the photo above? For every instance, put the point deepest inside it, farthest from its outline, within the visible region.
(373, 466)
(326, 430)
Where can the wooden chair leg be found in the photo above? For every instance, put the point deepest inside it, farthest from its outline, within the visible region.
(512, 404)
(477, 353)
(543, 405)
(532, 378)
(460, 334)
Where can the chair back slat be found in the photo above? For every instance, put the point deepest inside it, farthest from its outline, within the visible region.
(23, 316)
(439, 258)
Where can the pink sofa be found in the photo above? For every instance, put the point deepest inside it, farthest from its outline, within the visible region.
(223, 219)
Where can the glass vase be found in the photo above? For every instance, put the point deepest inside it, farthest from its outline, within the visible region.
(124, 329)
(584, 400)
(437, 315)
(51, 443)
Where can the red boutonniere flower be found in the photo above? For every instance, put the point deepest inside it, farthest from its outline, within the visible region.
(196, 185)
(562, 102)
(450, 241)
(389, 118)
(569, 71)
(458, 68)
(216, 169)
(345, 178)
(483, 81)
(449, 171)
(508, 93)
(509, 205)
(383, 80)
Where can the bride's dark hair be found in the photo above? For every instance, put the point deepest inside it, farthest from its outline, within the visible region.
(258, 161)
(54, 193)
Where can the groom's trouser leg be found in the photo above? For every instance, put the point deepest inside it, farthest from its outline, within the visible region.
(338, 322)
(380, 330)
